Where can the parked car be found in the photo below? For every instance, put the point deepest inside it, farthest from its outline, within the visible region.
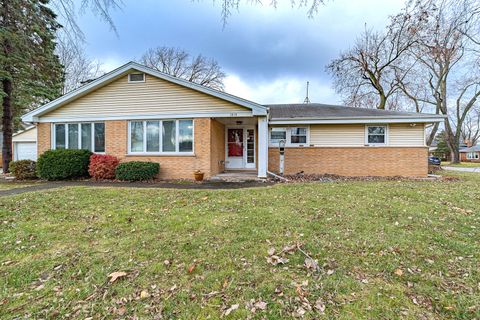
(434, 160)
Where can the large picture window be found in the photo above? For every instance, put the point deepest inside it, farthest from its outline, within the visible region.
(89, 136)
(161, 136)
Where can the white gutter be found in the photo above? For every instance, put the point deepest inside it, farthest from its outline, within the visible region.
(358, 120)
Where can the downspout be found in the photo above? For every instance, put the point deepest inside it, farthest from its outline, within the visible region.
(276, 176)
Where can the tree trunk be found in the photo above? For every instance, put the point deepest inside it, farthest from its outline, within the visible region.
(383, 102)
(455, 154)
(432, 134)
(7, 120)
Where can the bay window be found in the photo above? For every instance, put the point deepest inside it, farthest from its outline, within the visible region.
(89, 136)
(161, 136)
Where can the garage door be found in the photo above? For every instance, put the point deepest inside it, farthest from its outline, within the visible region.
(25, 151)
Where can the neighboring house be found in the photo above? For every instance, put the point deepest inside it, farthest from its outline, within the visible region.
(25, 144)
(137, 113)
(470, 154)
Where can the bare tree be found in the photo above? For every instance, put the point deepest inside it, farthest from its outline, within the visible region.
(367, 74)
(471, 127)
(312, 6)
(178, 63)
(448, 58)
(77, 67)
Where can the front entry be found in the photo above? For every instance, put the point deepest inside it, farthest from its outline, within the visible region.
(240, 148)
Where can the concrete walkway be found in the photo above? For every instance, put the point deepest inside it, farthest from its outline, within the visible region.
(463, 169)
(160, 185)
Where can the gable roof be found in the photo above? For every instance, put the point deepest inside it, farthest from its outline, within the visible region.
(109, 77)
(324, 113)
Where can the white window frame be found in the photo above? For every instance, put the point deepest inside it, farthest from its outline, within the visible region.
(376, 144)
(177, 151)
(79, 124)
(288, 139)
(472, 155)
(136, 81)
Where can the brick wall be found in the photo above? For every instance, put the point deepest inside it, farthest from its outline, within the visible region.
(44, 137)
(350, 161)
(217, 147)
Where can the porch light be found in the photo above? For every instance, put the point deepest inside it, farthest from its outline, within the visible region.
(239, 122)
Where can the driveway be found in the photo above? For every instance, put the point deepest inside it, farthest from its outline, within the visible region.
(463, 169)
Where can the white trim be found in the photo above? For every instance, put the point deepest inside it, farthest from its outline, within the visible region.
(245, 164)
(140, 81)
(263, 137)
(358, 120)
(149, 117)
(386, 133)
(33, 116)
(22, 131)
(177, 151)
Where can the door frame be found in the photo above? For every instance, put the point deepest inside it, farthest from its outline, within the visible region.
(245, 165)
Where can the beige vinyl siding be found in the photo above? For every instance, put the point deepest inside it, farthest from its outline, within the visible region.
(154, 96)
(337, 135)
(28, 135)
(406, 135)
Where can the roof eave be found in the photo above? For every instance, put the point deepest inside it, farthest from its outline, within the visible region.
(351, 120)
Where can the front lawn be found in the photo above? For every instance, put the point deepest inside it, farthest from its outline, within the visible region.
(385, 249)
(461, 165)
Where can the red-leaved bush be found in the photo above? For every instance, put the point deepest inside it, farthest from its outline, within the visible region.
(103, 166)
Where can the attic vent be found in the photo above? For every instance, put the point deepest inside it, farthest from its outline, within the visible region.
(136, 77)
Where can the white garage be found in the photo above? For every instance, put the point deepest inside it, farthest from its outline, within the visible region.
(25, 144)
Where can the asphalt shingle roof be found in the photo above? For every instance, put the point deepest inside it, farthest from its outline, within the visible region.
(471, 149)
(325, 111)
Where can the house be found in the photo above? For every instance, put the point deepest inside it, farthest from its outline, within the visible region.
(470, 154)
(25, 144)
(137, 113)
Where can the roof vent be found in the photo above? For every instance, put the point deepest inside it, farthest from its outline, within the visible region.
(136, 77)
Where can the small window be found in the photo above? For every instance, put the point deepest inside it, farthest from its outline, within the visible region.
(298, 135)
(277, 134)
(376, 135)
(136, 77)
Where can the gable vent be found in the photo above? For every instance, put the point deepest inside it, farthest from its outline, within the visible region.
(136, 77)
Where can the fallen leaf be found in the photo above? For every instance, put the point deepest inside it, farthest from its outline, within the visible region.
(144, 294)
(115, 275)
(398, 272)
(262, 305)
(311, 264)
(320, 306)
(232, 308)
(121, 311)
(191, 268)
(271, 251)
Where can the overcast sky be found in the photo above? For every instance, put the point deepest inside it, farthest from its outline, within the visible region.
(268, 53)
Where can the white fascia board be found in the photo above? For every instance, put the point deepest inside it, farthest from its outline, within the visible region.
(32, 116)
(358, 120)
(164, 116)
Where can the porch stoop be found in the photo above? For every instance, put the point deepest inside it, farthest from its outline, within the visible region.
(237, 176)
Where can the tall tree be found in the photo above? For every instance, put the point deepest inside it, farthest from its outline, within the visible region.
(179, 63)
(29, 69)
(367, 74)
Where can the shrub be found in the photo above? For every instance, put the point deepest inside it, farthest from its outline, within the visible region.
(63, 164)
(23, 169)
(102, 166)
(137, 171)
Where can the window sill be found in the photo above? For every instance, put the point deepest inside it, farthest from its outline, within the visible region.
(152, 154)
